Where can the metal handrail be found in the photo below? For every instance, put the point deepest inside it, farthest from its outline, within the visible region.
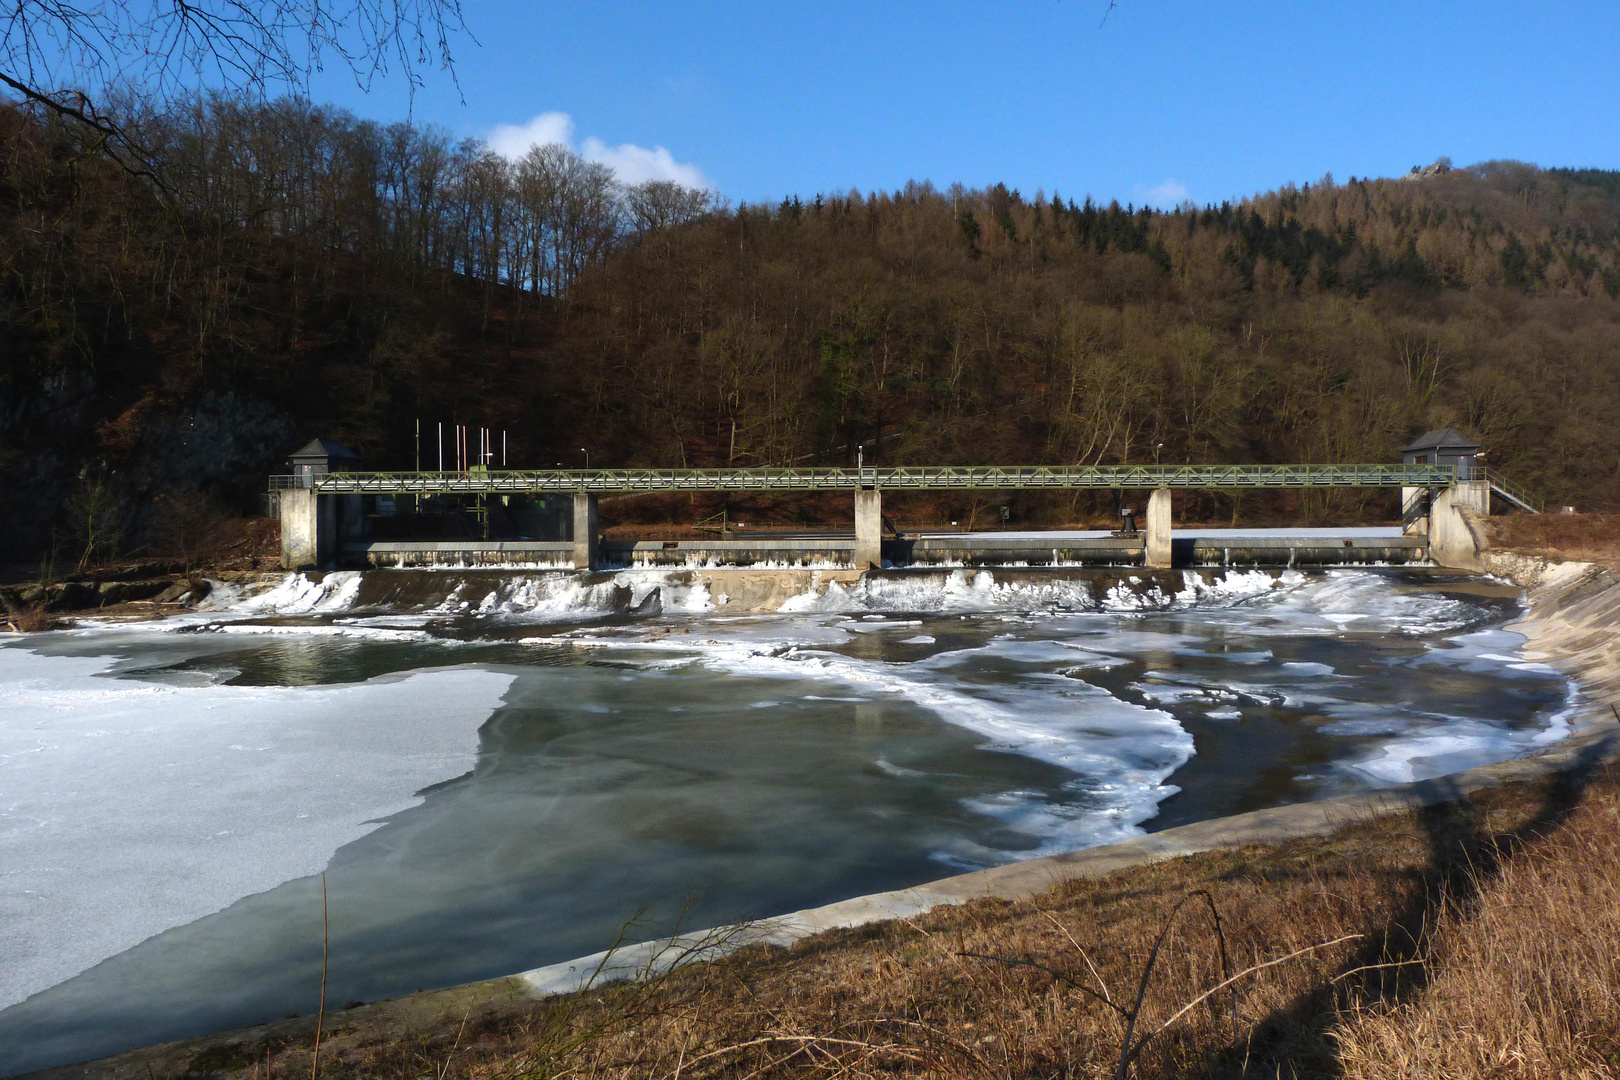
(935, 478)
(1510, 490)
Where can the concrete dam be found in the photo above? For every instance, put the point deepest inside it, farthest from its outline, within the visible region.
(324, 512)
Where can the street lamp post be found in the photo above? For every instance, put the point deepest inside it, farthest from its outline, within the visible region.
(587, 454)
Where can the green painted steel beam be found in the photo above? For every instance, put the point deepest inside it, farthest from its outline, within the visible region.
(937, 478)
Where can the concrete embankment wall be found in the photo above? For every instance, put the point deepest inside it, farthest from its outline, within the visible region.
(1572, 621)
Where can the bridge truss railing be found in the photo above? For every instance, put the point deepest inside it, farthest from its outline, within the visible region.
(934, 478)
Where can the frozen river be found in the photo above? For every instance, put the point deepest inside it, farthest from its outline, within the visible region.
(499, 771)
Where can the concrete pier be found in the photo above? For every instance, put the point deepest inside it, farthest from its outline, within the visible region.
(1415, 511)
(868, 528)
(1420, 505)
(587, 546)
(1455, 537)
(1476, 494)
(1159, 552)
(308, 529)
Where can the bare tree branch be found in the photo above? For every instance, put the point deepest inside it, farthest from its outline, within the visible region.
(74, 59)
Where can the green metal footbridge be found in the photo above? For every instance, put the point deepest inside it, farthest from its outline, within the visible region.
(478, 481)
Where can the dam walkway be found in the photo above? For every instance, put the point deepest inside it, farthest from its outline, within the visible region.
(323, 516)
(480, 481)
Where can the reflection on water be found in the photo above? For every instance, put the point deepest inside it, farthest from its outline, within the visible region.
(646, 771)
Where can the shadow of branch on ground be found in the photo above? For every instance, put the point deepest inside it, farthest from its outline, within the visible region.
(1296, 1041)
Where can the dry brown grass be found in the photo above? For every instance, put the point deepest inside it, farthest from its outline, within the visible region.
(1472, 940)
(33, 619)
(1524, 979)
(1582, 537)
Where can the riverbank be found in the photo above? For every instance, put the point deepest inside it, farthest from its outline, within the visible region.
(1568, 608)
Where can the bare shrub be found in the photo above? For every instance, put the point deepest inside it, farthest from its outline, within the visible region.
(190, 526)
(95, 517)
(1594, 537)
(33, 620)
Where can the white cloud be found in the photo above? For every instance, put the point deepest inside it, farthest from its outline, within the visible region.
(631, 163)
(1167, 196)
(636, 164)
(512, 141)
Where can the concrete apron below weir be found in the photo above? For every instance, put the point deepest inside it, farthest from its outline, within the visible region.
(1578, 600)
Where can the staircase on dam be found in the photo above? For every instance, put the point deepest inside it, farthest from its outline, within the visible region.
(1510, 490)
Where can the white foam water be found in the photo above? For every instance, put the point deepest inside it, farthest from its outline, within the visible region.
(1359, 601)
(554, 598)
(298, 594)
(566, 596)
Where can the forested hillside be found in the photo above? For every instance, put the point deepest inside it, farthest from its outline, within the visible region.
(298, 272)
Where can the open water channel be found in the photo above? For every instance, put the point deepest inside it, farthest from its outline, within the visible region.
(500, 771)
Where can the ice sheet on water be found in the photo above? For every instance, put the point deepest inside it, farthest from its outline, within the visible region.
(1451, 744)
(1482, 650)
(1419, 747)
(1363, 602)
(332, 630)
(129, 807)
(1259, 603)
(1031, 666)
(1121, 753)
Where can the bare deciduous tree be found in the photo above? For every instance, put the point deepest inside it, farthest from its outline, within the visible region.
(662, 204)
(95, 516)
(98, 62)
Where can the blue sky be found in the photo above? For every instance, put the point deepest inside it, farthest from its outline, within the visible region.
(1216, 100)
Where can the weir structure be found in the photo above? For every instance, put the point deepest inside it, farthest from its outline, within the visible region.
(321, 513)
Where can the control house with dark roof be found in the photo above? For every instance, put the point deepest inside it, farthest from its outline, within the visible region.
(1443, 447)
(320, 457)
